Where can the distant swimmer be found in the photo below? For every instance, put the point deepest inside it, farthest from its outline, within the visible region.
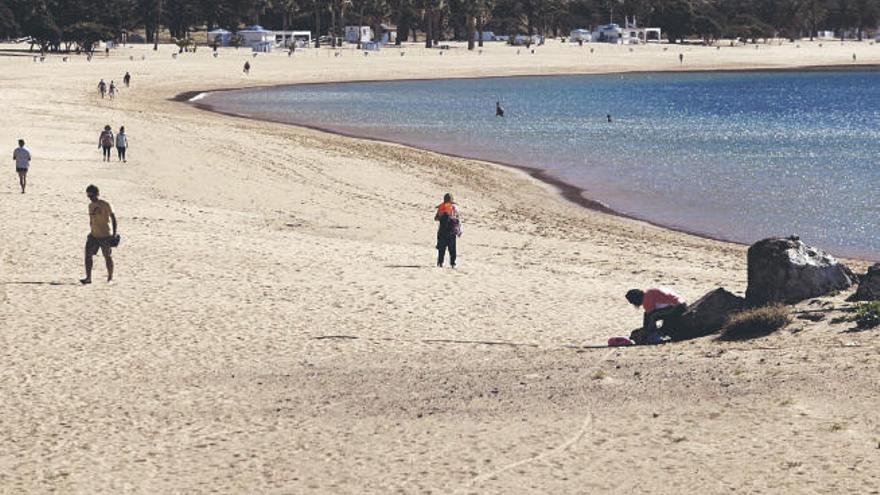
(499, 110)
(608, 117)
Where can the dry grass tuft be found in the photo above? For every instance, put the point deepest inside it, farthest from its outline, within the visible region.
(756, 322)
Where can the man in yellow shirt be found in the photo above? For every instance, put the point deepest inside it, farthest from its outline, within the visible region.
(100, 217)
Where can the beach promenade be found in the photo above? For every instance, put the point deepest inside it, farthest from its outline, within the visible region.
(277, 325)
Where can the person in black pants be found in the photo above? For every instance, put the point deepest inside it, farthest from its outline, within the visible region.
(447, 231)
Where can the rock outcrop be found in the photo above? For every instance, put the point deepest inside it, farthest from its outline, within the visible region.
(789, 271)
(707, 315)
(869, 287)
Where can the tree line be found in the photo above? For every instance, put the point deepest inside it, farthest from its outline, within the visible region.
(79, 24)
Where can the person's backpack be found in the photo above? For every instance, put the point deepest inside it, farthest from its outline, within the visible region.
(106, 139)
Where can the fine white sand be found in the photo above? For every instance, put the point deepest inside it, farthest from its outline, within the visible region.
(277, 325)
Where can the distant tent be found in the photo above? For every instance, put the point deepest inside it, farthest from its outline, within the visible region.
(220, 36)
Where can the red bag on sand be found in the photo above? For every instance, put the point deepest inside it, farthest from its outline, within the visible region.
(619, 342)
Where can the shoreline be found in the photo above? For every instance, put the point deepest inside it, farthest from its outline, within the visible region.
(561, 188)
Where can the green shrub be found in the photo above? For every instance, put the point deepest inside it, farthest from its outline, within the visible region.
(756, 322)
(867, 314)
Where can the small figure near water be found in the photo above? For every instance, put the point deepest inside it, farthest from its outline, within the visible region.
(448, 230)
(499, 110)
(247, 67)
(681, 58)
(608, 117)
(126, 79)
(660, 304)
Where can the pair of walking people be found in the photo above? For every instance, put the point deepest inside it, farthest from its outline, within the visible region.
(107, 140)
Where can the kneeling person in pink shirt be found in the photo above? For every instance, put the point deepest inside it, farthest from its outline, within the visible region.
(660, 304)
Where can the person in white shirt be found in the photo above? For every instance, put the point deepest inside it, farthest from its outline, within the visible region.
(121, 144)
(22, 157)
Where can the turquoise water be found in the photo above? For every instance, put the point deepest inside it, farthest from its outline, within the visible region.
(738, 156)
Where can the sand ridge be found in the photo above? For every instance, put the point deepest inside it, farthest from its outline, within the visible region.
(277, 325)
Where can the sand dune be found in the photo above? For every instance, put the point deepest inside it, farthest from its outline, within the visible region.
(277, 325)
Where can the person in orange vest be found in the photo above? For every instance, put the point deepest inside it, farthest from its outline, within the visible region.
(448, 230)
(660, 304)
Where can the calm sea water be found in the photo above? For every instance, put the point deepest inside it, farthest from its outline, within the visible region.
(739, 156)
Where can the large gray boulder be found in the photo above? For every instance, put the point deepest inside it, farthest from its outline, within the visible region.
(869, 287)
(707, 315)
(789, 271)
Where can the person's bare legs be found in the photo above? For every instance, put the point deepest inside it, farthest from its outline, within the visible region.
(88, 278)
(108, 259)
(22, 180)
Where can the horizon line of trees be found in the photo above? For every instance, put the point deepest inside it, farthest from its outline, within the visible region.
(79, 24)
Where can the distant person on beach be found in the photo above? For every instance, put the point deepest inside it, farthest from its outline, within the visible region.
(102, 88)
(112, 91)
(126, 79)
(22, 157)
(660, 304)
(247, 67)
(105, 142)
(448, 230)
(681, 58)
(100, 236)
(121, 144)
(499, 110)
(608, 117)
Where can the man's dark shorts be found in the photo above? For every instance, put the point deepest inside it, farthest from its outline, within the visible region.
(94, 244)
(21, 170)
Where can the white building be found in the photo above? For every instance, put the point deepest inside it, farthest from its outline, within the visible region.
(630, 34)
(257, 39)
(580, 35)
(300, 39)
(354, 34)
(220, 36)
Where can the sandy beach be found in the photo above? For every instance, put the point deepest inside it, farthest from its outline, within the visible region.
(277, 324)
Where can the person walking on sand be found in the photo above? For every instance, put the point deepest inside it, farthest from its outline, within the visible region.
(247, 67)
(660, 304)
(22, 157)
(681, 58)
(499, 110)
(102, 88)
(121, 144)
(100, 237)
(126, 79)
(105, 142)
(448, 230)
(112, 91)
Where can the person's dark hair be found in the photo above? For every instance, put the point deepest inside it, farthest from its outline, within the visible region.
(122, 128)
(92, 189)
(447, 198)
(107, 127)
(21, 142)
(635, 297)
